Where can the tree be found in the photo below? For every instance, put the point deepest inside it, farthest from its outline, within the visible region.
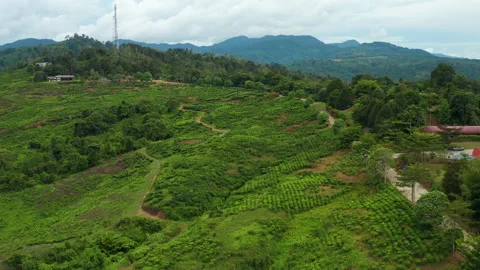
(419, 143)
(413, 115)
(471, 251)
(459, 210)
(338, 125)
(379, 162)
(366, 87)
(444, 112)
(429, 209)
(452, 180)
(442, 75)
(410, 177)
(340, 99)
(40, 77)
(464, 109)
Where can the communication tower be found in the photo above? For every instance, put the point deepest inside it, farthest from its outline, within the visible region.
(115, 29)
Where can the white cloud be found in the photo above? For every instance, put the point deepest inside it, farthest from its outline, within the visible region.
(404, 22)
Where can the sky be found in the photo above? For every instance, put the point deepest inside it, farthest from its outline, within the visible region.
(438, 26)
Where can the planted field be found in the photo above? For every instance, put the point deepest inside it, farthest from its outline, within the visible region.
(242, 200)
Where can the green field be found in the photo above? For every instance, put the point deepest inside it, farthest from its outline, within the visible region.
(239, 186)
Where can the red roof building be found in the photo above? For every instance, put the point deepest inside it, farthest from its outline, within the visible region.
(476, 153)
(461, 130)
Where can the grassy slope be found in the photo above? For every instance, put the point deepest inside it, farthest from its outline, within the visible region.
(279, 218)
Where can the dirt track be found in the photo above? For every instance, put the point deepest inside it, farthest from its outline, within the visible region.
(198, 120)
(155, 170)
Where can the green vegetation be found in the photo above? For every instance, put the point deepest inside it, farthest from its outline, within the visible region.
(219, 173)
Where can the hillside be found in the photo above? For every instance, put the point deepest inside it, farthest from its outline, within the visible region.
(304, 53)
(395, 66)
(29, 42)
(238, 179)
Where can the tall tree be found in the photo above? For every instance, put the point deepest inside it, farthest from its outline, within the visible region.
(452, 180)
(379, 162)
(413, 175)
(442, 75)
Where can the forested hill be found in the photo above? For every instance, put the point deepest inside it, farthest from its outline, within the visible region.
(307, 54)
(29, 42)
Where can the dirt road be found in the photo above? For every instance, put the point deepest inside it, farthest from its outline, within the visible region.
(156, 167)
(199, 118)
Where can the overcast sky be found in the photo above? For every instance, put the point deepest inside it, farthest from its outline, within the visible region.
(439, 26)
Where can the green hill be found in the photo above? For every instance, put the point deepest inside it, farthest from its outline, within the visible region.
(304, 53)
(29, 42)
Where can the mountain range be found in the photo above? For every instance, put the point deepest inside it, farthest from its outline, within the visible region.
(309, 54)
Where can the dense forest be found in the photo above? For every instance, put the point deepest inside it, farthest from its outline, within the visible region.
(237, 165)
(305, 53)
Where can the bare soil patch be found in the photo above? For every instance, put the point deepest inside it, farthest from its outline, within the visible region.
(191, 142)
(109, 169)
(167, 83)
(292, 128)
(324, 163)
(38, 124)
(350, 178)
(91, 90)
(454, 260)
(95, 213)
(151, 213)
(282, 118)
(2, 130)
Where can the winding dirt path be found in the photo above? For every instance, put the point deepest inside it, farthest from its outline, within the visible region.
(198, 120)
(156, 167)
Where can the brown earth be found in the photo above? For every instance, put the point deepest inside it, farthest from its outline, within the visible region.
(282, 118)
(109, 169)
(167, 83)
(151, 213)
(324, 163)
(292, 128)
(350, 178)
(92, 214)
(191, 142)
(455, 259)
(91, 90)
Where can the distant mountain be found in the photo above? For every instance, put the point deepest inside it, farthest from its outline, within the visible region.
(29, 42)
(447, 56)
(308, 54)
(346, 44)
(289, 49)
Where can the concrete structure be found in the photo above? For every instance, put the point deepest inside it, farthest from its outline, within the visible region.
(60, 78)
(43, 64)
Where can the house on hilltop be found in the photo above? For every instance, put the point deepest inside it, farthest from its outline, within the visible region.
(60, 78)
(42, 64)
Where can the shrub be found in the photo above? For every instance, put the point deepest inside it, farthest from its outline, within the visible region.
(322, 118)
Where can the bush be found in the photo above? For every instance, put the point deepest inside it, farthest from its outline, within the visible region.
(338, 125)
(322, 118)
(40, 77)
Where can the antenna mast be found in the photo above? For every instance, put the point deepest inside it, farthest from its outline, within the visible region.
(115, 30)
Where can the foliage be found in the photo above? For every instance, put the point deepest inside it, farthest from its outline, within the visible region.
(338, 125)
(412, 175)
(429, 209)
(380, 161)
(322, 118)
